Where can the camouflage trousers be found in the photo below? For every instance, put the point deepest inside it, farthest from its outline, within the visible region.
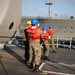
(46, 48)
(34, 52)
(51, 40)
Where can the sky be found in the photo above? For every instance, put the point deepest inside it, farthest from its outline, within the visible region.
(59, 8)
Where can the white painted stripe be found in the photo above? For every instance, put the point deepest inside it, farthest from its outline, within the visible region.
(41, 66)
(57, 73)
(61, 63)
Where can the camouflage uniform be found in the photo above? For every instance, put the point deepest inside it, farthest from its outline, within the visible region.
(46, 48)
(34, 45)
(45, 43)
(51, 40)
(35, 52)
(34, 33)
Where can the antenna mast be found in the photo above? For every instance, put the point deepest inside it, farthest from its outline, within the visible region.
(49, 4)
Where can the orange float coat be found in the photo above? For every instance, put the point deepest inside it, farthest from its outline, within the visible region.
(44, 36)
(50, 32)
(32, 33)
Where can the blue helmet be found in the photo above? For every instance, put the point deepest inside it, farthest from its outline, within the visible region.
(34, 21)
(44, 27)
(50, 26)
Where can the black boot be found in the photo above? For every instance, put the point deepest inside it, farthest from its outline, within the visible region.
(31, 66)
(54, 51)
(25, 61)
(36, 68)
(46, 58)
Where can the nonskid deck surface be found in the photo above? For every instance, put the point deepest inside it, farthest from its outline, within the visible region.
(13, 57)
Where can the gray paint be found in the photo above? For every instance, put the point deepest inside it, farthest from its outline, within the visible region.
(64, 28)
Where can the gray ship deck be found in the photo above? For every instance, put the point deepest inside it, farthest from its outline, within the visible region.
(12, 60)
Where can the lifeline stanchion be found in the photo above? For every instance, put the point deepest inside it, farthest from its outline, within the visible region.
(2, 64)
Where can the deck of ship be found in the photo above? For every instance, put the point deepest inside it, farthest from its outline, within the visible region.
(13, 56)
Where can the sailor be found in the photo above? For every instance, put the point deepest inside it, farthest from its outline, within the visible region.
(26, 41)
(51, 35)
(45, 43)
(34, 33)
